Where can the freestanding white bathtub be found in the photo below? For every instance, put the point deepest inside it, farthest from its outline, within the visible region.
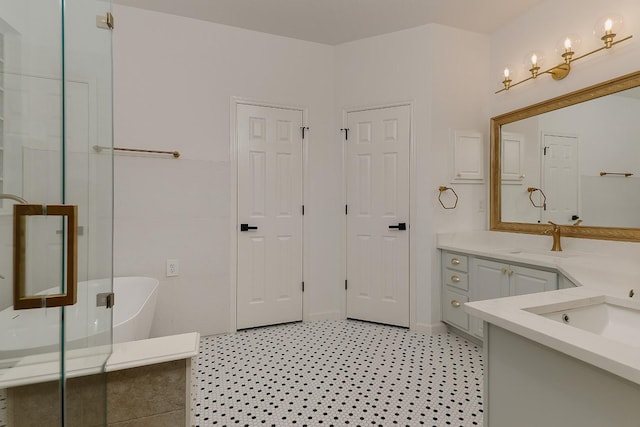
(25, 332)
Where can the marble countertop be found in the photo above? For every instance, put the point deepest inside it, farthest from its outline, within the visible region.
(599, 269)
(88, 361)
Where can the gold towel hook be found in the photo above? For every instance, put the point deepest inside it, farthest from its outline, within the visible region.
(442, 189)
(531, 190)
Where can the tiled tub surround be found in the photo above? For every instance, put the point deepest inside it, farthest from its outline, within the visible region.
(600, 269)
(148, 384)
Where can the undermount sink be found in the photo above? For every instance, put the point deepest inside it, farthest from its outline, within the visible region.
(612, 318)
(537, 252)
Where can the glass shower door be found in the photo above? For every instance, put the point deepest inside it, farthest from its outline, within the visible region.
(55, 212)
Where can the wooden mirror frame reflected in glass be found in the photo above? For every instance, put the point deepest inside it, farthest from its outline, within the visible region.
(588, 232)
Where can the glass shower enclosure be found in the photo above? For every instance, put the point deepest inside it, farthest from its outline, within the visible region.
(56, 211)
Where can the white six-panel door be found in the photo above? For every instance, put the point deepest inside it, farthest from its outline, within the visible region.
(560, 178)
(377, 169)
(269, 288)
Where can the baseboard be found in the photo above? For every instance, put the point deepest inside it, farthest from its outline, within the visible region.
(325, 315)
(429, 328)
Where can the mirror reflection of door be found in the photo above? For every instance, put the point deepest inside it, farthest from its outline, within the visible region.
(560, 178)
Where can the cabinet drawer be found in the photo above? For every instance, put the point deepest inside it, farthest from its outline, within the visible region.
(455, 261)
(456, 279)
(452, 310)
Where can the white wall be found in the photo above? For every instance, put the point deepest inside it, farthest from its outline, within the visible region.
(429, 66)
(174, 78)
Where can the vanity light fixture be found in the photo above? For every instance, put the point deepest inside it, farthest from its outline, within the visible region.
(562, 70)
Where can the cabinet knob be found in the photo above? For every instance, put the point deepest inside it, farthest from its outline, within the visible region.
(455, 261)
(455, 279)
(455, 303)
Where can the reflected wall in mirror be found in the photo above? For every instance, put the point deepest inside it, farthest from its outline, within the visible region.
(573, 160)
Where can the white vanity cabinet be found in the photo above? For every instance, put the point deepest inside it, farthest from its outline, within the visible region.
(455, 279)
(495, 279)
(469, 278)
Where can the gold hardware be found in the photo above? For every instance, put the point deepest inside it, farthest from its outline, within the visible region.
(20, 212)
(442, 189)
(455, 261)
(509, 272)
(555, 232)
(455, 303)
(105, 22)
(562, 70)
(531, 190)
(106, 299)
(577, 223)
(455, 279)
(631, 293)
(503, 270)
(175, 154)
(625, 174)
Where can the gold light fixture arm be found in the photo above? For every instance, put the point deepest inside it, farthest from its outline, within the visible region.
(562, 70)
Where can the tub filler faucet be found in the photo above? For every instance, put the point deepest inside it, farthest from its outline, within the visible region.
(555, 233)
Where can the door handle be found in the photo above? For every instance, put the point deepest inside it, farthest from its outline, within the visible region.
(69, 297)
(245, 227)
(400, 226)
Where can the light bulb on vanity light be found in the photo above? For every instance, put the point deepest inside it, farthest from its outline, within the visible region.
(533, 61)
(568, 46)
(507, 81)
(607, 27)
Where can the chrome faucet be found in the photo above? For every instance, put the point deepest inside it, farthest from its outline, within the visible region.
(555, 232)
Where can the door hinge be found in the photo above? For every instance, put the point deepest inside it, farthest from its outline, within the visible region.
(304, 128)
(106, 299)
(346, 209)
(545, 151)
(105, 21)
(302, 286)
(345, 284)
(346, 133)
(302, 209)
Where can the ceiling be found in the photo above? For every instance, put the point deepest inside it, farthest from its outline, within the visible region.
(338, 21)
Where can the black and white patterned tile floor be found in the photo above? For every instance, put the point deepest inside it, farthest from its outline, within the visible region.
(337, 373)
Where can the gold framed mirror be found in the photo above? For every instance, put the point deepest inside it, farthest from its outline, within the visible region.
(599, 188)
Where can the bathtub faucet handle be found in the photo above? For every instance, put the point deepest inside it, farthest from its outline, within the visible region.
(106, 300)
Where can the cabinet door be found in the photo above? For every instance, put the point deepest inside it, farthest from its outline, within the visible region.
(512, 152)
(489, 279)
(525, 280)
(452, 310)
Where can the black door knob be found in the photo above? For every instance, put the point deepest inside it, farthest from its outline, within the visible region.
(400, 226)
